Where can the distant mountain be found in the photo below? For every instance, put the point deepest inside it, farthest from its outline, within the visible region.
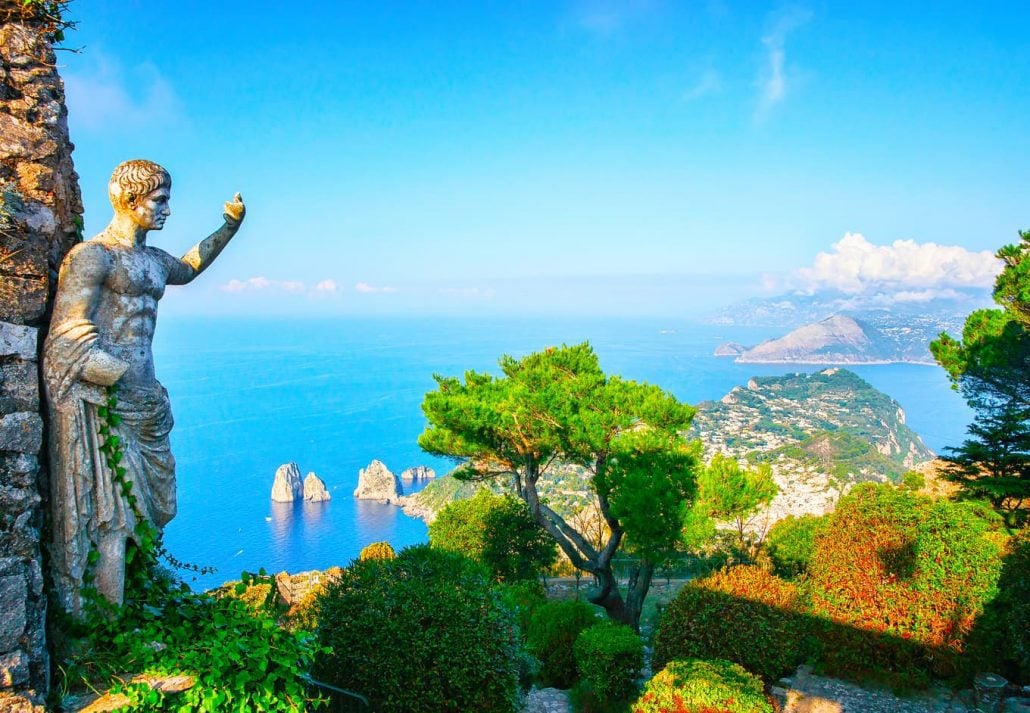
(838, 339)
(796, 309)
(841, 339)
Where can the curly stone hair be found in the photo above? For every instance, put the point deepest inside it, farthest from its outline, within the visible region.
(134, 179)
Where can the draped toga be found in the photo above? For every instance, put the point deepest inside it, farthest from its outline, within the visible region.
(85, 501)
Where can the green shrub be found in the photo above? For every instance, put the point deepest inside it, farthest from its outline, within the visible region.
(609, 657)
(553, 631)
(421, 633)
(499, 532)
(791, 544)
(695, 686)
(1001, 639)
(913, 480)
(743, 614)
(899, 579)
(523, 598)
(240, 657)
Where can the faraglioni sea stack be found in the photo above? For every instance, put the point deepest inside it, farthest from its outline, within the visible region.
(287, 485)
(314, 489)
(376, 482)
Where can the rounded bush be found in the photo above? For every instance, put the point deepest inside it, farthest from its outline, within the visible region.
(791, 544)
(609, 657)
(420, 633)
(743, 614)
(900, 580)
(696, 686)
(497, 531)
(553, 631)
(377, 550)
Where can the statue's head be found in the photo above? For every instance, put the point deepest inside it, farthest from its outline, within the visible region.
(141, 189)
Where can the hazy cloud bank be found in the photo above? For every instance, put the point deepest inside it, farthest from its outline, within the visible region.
(910, 271)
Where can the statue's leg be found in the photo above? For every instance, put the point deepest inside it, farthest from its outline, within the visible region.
(110, 570)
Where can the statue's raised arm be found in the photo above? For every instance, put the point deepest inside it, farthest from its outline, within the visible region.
(204, 253)
(101, 334)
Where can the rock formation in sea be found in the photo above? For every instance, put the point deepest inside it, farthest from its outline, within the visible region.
(314, 489)
(732, 349)
(418, 472)
(376, 482)
(287, 486)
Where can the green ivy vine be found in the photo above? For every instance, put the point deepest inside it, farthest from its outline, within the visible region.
(239, 657)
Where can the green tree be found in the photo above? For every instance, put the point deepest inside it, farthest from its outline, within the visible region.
(729, 493)
(990, 365)
(498, 531)
(558, 406)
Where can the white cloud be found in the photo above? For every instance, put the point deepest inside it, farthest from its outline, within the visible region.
(709, 83)
(371, 289)
(912, 271)
(107, 96)
(233, 285)
(772, 81)
(259, 283)
(266, 285)
(251, 284)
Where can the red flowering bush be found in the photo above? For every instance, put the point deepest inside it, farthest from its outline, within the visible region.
(899, 580)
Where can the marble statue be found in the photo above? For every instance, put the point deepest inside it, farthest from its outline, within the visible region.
(100, 335)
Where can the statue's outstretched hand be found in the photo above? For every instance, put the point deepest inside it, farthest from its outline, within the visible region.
(235, 210)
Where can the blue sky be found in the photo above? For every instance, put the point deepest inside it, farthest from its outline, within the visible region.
(633, 157)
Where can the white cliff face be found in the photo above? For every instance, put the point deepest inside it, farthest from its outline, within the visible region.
(418, 472)
(287, 486)
(376, 482)
(314, 489)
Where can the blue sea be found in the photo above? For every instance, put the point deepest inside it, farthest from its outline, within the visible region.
(251, 394)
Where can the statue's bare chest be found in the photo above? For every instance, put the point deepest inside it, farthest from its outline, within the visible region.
(136, 273)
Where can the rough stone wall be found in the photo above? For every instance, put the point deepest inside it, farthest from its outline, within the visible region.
(40, 207)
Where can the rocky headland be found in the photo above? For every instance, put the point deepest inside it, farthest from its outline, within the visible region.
(834, 340)
(842, 339)
(820, 432)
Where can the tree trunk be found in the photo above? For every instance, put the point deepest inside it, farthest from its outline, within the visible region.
(607, 596)
(639, 586)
